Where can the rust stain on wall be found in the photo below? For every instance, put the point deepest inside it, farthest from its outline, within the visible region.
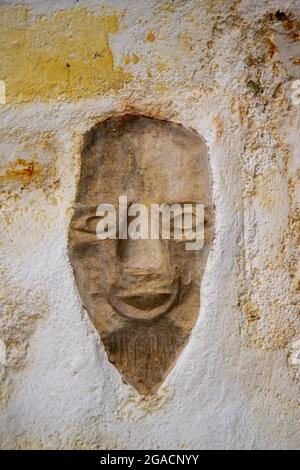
(272, 47)
(150, 36)
(295, 37)
(32, 163)
(21, 169)
(252, 311)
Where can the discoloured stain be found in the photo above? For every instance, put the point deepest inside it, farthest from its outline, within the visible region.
(255, 87)
(150, 36)
(131, 59)
(21, 169)
(219, 126)
(272, 47)
(161, 66)
(63, 56)
(252, 311)
(295, 37)
(265, 188)
(186, 42)
(33, 163)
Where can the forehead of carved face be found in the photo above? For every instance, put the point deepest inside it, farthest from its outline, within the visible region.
(148, 160)
(142, 295)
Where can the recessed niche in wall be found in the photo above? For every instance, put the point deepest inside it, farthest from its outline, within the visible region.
(142, 292)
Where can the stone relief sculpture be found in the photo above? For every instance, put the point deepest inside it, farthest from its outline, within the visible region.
(142, 295)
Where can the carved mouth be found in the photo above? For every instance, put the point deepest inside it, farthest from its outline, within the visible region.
(146, 301)
(142, 305)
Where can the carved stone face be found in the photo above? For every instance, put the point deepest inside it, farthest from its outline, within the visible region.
(143, 296)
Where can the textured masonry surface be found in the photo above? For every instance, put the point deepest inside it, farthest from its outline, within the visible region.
(227, 69)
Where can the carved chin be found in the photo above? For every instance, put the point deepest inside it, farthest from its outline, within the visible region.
(143, 305)
(144, 354)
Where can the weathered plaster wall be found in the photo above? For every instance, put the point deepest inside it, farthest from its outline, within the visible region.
(228, 69)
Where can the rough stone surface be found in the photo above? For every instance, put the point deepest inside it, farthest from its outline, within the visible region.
(227, 69)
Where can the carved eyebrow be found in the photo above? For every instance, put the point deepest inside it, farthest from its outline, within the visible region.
(87, 207)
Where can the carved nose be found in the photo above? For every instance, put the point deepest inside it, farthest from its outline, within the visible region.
(143, 255)
(143, 287)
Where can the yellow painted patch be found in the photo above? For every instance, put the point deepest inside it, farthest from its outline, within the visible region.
(65, 56)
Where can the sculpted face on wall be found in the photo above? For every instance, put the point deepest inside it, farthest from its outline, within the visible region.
(143, 295)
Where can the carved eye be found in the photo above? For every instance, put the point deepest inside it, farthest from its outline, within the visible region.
(184, 227)
(86, 224)
(91, 224)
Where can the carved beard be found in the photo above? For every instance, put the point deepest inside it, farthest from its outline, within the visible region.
(144, 354)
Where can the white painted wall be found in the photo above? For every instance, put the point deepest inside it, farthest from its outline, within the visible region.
(236, 385)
